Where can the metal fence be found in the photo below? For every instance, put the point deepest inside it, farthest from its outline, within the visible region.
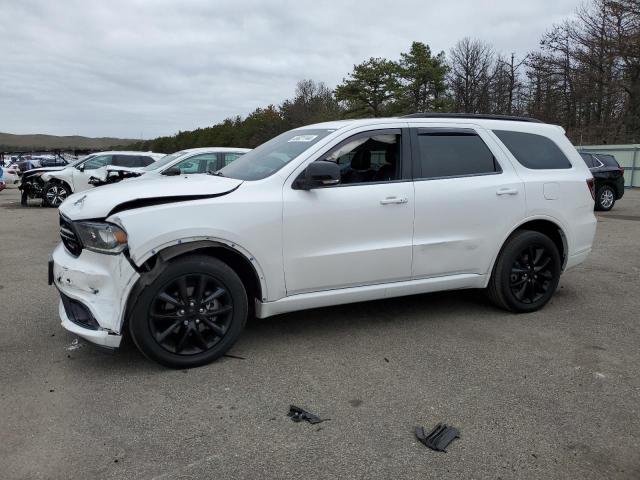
(628, 156)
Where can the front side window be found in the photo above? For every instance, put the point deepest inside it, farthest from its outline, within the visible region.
(533, 151)
(230, 157)
(370, 157)
(167, 159)
(271, 156)
(97, 162)
(453, 153)
(204, 163)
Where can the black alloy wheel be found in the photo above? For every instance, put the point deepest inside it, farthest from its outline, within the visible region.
(531, 274)
(191, 313)
(526, 273)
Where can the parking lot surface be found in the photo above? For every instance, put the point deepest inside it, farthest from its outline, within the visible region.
(553, 394)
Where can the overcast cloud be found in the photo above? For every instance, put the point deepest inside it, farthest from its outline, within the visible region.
(148, 68)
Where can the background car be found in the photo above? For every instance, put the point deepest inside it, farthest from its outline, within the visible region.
(608, 176)
(193, 160)
(55, 184)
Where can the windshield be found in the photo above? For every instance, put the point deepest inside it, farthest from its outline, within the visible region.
(271, 156)
(164, 161)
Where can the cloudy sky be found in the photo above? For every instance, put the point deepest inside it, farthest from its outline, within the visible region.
(143, 68)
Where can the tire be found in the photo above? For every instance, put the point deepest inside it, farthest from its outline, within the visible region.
(24, 198)
(172, 322)
(516, 284)
(605, 198)
(54, 193)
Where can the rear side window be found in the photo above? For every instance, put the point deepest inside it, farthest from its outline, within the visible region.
(588, 159)
(144, 161)
(453, 153)
(533, 151)
(608, 160)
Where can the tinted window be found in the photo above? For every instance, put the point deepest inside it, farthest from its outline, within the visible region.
(368, 158)
(533, 151)
(453, 153)
(608, 160)
(144, 161)
(588, 159)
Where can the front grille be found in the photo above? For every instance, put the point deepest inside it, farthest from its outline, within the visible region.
(78, 313)
(69, 237)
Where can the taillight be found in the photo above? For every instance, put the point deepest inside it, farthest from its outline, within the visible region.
(592, 187)
(621, 170)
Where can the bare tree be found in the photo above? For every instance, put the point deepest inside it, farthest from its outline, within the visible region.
(471, 63)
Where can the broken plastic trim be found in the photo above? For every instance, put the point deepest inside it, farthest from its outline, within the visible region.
(148, 202)
(439, 438)
(297, 414)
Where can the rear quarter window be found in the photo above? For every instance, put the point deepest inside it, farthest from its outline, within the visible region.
(533, 151)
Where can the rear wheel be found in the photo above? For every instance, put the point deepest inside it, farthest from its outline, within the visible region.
(54, 193)
(605, 199)
(191, 314)
(526, 273)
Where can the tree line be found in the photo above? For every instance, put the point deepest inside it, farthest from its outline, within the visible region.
(585, 76)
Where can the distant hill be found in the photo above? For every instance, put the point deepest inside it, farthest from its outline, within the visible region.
(9, 141)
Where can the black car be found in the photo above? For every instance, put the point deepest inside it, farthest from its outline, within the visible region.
(608, 176)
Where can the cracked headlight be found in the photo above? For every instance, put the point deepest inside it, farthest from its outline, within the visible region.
(101, 237)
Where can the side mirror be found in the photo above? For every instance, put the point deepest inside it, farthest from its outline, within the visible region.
(320, 173)
(171, 171)
(81, 168)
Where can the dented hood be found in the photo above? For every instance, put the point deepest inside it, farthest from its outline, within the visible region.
(143, 192)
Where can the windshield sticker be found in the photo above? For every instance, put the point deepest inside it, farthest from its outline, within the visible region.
(303, 138)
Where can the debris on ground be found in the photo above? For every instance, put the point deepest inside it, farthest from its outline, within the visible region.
(297, 414)
(237, 357)
(438, 439)
(75, 345)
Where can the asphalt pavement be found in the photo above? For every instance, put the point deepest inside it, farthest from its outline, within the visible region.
(552, 394)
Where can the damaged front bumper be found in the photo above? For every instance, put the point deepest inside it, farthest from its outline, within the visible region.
(93, 288)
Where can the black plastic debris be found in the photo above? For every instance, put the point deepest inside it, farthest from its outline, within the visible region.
(297, 414)
(439, 438)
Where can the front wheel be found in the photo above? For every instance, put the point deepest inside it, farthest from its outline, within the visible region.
(54, 193)
(191, 314)
(605, 198)
(526, 273)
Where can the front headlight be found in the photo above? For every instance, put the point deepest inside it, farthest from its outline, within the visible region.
(101, 237)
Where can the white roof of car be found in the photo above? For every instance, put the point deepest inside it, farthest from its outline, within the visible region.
(488, 122)
(214, 149)
(129, 152)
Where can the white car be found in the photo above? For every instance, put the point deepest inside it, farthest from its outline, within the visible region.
(192, 160)
(327, 214)
(58, 184)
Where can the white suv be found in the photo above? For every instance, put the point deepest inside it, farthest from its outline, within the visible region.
(58, 184)
(332, 213)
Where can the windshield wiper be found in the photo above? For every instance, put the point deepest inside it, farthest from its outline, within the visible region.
(217, 174)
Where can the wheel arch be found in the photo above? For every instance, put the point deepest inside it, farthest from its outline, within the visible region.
(241, 262)
(545, 225)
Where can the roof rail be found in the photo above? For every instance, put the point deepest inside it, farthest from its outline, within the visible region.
(482, 116)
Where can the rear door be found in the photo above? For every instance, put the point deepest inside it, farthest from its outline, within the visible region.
(467, 196)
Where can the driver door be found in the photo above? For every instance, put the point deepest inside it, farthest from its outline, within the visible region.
(83, 172)
(358, 232)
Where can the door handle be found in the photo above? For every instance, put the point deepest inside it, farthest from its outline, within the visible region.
(507, 191)
(392, 200)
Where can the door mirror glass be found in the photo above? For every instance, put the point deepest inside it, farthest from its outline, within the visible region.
(321, 173)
